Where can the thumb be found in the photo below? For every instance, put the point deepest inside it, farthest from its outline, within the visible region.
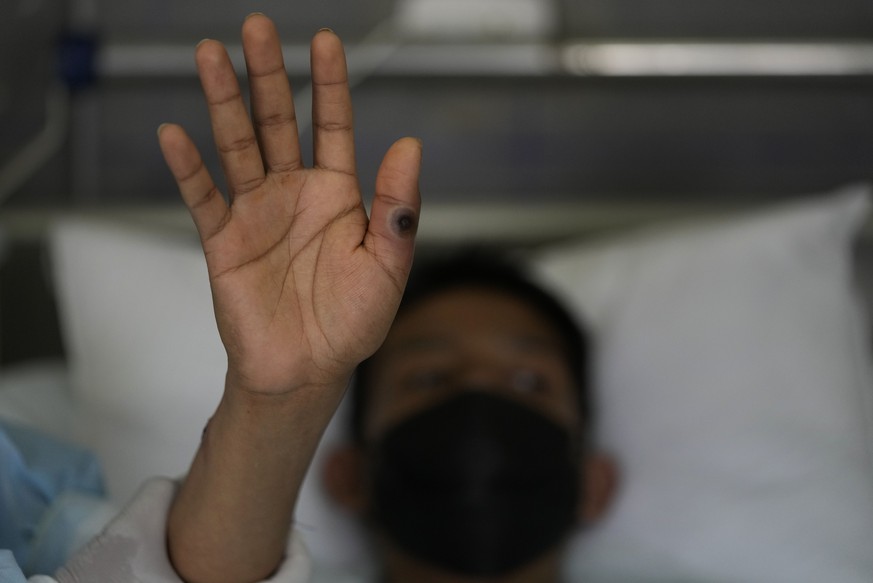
(396, 207)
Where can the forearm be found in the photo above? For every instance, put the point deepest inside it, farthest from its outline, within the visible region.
(232, 516)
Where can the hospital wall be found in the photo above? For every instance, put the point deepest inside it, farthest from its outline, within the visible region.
(519, 136)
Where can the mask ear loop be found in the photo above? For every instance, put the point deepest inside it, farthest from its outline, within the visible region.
(599, 475)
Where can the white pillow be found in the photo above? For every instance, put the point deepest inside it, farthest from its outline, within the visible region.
(147, 365)
(734, 387)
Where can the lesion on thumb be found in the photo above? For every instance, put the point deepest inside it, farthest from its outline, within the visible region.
(404, 222)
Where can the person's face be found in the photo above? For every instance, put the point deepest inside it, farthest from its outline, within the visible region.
(467, 339)
(470, 339)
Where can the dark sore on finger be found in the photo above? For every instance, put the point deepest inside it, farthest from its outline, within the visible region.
(404, 222)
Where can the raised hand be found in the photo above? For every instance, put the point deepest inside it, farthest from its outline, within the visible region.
(304, 284)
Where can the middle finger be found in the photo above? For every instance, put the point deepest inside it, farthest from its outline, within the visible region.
(272, 104)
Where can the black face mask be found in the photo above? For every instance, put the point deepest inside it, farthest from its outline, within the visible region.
(478, 485)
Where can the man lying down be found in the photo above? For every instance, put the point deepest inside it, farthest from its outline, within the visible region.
(470, 459)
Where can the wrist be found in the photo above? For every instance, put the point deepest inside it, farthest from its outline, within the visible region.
(294, 406)
(260, 387)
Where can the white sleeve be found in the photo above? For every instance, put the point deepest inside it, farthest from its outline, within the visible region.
(132, 548)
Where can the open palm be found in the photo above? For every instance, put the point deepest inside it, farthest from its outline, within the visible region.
(305, 285)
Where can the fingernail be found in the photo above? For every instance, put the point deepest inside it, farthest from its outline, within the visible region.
(161, 127)
(254, 14)
(325, 29)
(202, 41)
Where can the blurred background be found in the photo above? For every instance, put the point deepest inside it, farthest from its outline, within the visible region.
(647, 107)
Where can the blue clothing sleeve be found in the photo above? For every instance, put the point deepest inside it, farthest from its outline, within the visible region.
(36, 473)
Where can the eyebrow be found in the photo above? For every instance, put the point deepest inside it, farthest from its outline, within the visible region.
(527, 342)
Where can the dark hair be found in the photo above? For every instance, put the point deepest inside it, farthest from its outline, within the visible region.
(483, 268)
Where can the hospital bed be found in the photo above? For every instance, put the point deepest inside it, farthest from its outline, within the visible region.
(732, 373)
